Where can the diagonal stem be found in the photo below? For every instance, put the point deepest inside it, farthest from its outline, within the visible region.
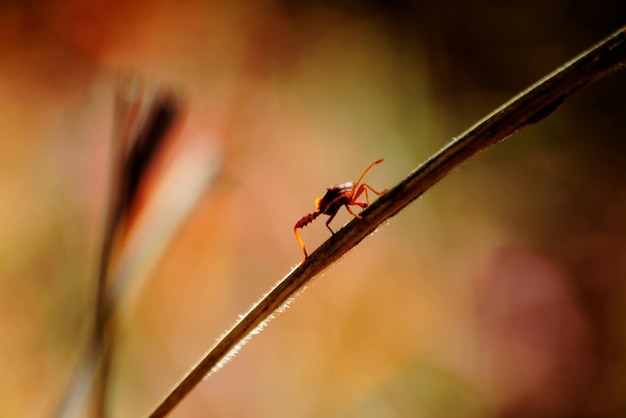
(527, 108)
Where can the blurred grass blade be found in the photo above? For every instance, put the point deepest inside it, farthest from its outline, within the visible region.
(144, 116)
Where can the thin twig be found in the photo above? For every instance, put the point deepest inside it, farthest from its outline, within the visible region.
(527, 108)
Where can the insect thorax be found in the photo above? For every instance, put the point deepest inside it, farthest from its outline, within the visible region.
(335, 197)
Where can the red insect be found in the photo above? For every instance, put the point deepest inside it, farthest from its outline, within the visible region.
(344, 194)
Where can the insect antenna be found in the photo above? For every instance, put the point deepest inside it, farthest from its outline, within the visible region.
(356, 185)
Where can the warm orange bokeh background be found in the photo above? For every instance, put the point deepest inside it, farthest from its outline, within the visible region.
(499, 293)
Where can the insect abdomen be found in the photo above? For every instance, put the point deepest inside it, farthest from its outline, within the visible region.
(307, 219)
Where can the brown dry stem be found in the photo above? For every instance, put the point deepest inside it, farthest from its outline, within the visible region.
(527, 108)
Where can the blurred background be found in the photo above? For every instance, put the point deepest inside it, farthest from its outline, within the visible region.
(499, 293)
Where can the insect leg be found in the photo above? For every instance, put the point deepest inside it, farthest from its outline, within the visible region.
(356, 215)
(364, 188)
(328, 222)
(372, 189)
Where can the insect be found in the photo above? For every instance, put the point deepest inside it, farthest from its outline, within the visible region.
(344, 194)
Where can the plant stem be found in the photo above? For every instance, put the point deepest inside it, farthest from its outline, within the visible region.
(527, 108)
